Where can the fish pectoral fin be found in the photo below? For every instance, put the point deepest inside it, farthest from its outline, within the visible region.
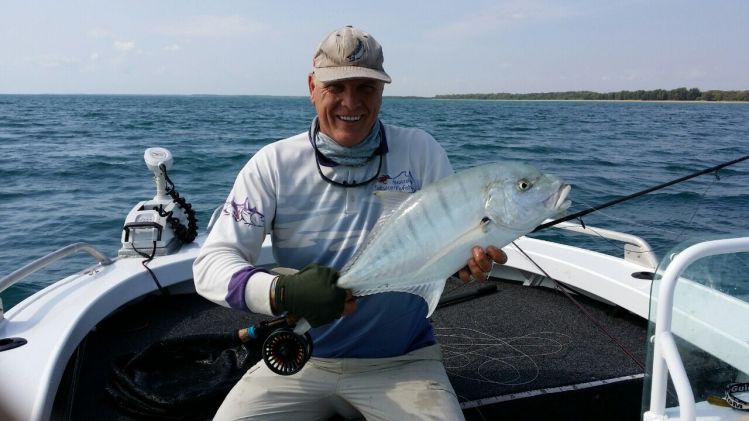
(470, 237)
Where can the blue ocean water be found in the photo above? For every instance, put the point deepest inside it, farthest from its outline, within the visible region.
(72, 166)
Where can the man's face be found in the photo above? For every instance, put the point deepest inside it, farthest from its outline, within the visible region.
(346, 109)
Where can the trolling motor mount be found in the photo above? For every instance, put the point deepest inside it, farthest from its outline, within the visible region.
(161, 225)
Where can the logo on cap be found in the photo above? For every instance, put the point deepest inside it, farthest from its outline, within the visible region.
(358, 52)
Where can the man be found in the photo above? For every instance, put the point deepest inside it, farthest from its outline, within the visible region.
(313, 193)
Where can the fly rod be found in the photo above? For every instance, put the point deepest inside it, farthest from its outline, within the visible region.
(638, 194)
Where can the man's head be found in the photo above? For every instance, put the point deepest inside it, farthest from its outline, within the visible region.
(346, 84)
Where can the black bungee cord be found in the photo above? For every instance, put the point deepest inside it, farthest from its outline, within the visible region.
(186, 234)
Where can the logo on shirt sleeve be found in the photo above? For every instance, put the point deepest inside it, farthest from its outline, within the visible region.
(244, 213)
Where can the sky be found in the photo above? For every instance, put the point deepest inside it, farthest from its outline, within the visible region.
(430, 47)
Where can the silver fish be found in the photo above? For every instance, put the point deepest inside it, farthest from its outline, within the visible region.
(424, 237)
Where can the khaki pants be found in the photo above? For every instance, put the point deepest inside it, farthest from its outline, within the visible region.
(408, 387)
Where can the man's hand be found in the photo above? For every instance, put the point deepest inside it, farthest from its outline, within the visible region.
(481, 263)
(312, 294)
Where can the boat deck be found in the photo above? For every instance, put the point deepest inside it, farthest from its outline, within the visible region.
(531, 352)
(520, 353)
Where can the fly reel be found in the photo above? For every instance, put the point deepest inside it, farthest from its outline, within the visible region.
(285, 352)
(286, 343)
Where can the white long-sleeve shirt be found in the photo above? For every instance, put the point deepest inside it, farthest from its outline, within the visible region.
(280, 193)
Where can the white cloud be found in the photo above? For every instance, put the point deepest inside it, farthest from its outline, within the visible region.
(172, 47)
(99, 33)
(94, 56)
(124, 46)
(696, 73)
(214, 26)
(502, 15)
(50, 60)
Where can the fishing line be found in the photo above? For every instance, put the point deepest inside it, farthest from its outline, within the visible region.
(461, 284)
(608, 240)
(478, 410)
(696, 209)
(640, 193)
(628, 221)
(675, 234)
(516, 377)
(600, 326)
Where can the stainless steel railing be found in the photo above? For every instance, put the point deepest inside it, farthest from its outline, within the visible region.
(18, 275)
(636, 250)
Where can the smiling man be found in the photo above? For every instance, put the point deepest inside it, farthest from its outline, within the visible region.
(375, 356)
(347, 98)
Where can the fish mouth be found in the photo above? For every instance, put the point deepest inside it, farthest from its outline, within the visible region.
(557, 200)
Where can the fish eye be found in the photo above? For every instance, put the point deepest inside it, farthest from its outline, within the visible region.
(523, 184)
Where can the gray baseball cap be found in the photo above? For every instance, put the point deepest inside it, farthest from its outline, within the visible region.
(349, 53)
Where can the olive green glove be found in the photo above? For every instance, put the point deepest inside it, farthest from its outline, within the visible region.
(312, 294)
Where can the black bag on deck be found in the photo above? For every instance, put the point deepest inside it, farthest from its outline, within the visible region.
(180, 378)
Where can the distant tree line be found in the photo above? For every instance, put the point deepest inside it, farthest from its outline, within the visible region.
(679, 94)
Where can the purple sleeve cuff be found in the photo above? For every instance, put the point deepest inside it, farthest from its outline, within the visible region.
(237, 286)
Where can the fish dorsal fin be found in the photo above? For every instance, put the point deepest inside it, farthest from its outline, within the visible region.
(391, 201)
